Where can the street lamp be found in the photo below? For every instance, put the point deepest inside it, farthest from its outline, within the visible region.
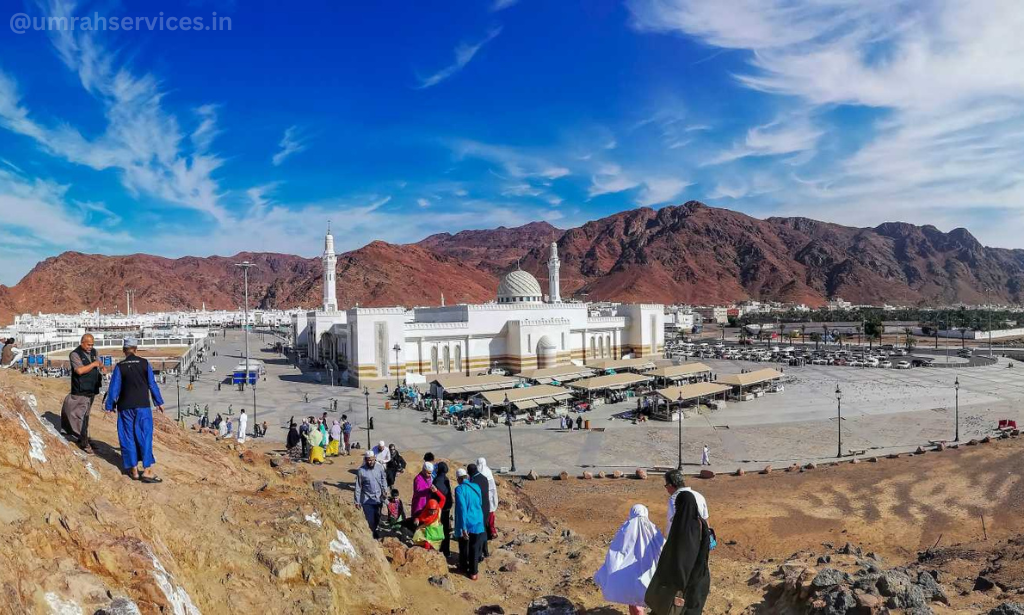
(177, 380)
(680, 400)
(956, 389)
(246, 266)
(839, 421)
(398, 382)
(366, 393)
(511, 446)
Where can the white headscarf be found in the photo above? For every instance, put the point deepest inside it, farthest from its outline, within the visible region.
(632, 557)
(492, 487)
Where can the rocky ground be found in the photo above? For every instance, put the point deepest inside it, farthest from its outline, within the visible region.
(239, 529)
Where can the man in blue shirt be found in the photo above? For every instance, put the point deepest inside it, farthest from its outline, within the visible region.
(131, 385)
(469, 524)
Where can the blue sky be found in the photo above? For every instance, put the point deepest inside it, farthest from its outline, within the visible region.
(398, 119)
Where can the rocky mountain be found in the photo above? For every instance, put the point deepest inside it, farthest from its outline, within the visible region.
(689, 253)
(494, 250)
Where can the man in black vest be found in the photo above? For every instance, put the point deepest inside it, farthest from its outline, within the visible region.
(86, 380)
(131, 385)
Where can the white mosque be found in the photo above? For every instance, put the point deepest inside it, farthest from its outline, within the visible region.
(522, 329)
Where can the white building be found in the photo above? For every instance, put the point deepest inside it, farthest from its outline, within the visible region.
(517, 331)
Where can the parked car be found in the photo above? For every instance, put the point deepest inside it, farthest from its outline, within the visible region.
(885, 364)
(903, 365)
(871, 362)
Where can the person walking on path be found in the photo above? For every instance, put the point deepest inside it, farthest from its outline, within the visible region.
(705, 456)
(631, 560)
(492, 498)
(469, 524)
(131, 386)
(395, 465)
(682, 580)
(86, 381)
(422, 486)
(371, 490)
(346, 432)
(480, 480)
(243, 422)
(444, 488)
(675, 484)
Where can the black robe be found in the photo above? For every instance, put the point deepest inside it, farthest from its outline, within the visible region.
(683, 566)
(293, 437)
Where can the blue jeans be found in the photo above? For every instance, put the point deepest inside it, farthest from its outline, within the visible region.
(135, 433)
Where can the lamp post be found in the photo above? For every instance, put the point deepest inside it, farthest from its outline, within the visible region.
(511, 446)
(398, 382)
(839, 421)
(177, 381)
(680, 400)
(956, 389)
(246, 266)
(366, 393)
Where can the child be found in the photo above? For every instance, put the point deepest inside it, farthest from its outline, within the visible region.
(394, 511)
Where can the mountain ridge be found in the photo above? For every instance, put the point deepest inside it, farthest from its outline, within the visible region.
(688, 253)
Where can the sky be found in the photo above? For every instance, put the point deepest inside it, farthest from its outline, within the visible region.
(396, 119)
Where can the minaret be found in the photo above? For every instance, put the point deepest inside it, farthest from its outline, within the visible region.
(330, 271)
(554, 296)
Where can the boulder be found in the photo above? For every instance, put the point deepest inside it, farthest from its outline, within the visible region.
(1008, 608)
(983, 584)
(532, 475)
(873, 460)
(767, 470)
(811, 466)
(616, 474)
(854, 461)
(275, 462)
(837, 600)
(601, 474)
(850, 549)
(394, 551)
(893, 456)
(739, 472)
(249, 456)
(972, 443)
(793, 468)
(830, 577)
(920, 451)
(868, 602)
(563, 475)
(441, 581)
(932, 590)
(587, 476)
(986, 439)
(940, 447)
(705, 474)
(640, 474)
(551, 605)
(419, 559)
(490, 609)
(760, 577)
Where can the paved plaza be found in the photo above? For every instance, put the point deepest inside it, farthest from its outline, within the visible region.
(883, 410)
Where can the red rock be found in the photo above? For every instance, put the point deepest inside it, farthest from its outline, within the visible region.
(532, 475)
(740, 472)
(640, 473)
(706, 474)
(767, 470)
(616, 474)
(563, 475)
(601, 474)
(587, 476)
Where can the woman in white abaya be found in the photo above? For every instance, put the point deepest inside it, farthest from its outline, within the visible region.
(631, 560)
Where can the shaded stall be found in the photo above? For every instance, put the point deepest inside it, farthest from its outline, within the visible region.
(680, 395)
(561, 373)
(462, 386)
(747, 385)
(601, 386)
(622, 365)
(689, 372)
(524, 399)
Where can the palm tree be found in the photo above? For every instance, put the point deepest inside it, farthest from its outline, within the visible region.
(815, 337)
(803, 335)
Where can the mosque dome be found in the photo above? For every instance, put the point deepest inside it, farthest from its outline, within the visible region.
(518, 286)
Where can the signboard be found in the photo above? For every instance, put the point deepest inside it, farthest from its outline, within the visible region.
(108, 361)
(238, 377)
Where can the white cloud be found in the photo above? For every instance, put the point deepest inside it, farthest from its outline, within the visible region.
(515, 162)
(464, 54)
(773, 139)
(945, 78)
(423, 202)
(501, 5)
(291, 143)
(661, 190)
(142, 140)
(610, 179)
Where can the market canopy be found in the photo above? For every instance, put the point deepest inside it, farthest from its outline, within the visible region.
(750, 378)
(474, 384)
(611, 381)
(693, 391)
(562, 373)
(622, 364)
(537, 395)
(681, 371)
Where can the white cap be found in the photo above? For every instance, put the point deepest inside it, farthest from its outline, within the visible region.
(370, 455)
(461, 472)
(429, 467)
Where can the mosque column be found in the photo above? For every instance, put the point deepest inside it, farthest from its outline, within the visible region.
(466, 358)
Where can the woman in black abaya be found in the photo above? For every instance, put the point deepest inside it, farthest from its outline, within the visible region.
(682, 580)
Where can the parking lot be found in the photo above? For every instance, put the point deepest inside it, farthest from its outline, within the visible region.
(883, 410)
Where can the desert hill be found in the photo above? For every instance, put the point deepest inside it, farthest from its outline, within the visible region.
(689, 253)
